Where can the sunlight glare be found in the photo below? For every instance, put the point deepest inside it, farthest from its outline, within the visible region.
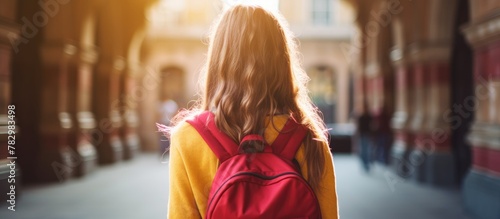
(267, 4)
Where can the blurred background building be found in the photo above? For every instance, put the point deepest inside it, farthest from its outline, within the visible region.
(176, 43)
(89, 79)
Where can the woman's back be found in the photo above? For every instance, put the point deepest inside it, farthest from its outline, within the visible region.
(194, 166)
(252, 72)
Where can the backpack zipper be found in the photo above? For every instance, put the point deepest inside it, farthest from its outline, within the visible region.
(256, 175)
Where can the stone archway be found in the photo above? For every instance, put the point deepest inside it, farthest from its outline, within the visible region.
(172, 84)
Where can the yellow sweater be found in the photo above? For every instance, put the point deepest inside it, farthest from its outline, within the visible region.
(193, 166)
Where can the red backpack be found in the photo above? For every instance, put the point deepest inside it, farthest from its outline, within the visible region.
(257, 185)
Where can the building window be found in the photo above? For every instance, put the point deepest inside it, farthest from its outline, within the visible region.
(321, 12)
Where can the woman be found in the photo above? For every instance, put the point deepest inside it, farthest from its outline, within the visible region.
(253, 84)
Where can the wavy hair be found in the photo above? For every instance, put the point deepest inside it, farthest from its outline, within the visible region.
(252, 72)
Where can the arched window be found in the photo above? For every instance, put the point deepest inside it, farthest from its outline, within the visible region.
(324, 91)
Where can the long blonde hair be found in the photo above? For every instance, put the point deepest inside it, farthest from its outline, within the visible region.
(252, 71)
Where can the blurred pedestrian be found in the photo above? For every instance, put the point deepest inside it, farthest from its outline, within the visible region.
(364, 133)
(382, 136)
(166, 110)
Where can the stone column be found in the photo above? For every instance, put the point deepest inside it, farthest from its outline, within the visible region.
(400, 122)
(65, 93)
(80, 107)
(128, 110)
(111, 66)
(430, 159)
(55, 159)
(481, 187)
(380, 77)
(402, 34)
(358, 60)
(109, 121)
(121, 35)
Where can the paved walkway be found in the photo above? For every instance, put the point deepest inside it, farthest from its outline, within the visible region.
(138, 190)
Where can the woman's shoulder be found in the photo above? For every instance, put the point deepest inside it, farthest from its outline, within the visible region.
(183, 125)
(185, 138)
(183, 130)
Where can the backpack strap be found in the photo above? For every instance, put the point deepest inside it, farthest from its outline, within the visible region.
(286, 144)
(289, 140)
(222, 146)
